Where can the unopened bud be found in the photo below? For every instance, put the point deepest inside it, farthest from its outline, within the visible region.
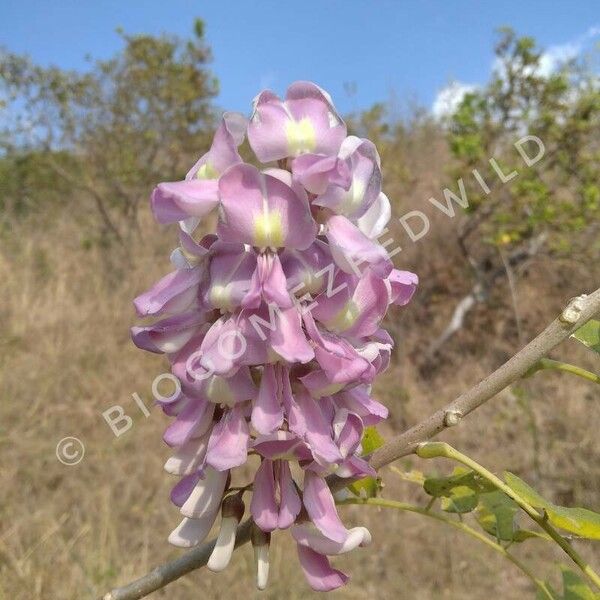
(233, 506)
(260, 542)
(232, 511)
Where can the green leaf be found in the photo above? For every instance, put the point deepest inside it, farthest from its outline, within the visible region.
(371, 440)
(574, 588)
(589, 335)
(525, 534)
(580, 521)
(462, 499)
(439, 487)
(368, 487)
(496, 515)
(525, 491)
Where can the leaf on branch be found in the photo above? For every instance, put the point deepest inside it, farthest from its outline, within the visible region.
(443, 486)
(462, 499)
(496, 515)
(368, 487)
(580, 521)
(589, 335)
(574, 588)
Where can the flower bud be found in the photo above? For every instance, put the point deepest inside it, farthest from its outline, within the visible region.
(232, 511)
(260, 542)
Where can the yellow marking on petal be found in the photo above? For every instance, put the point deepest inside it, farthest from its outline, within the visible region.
(219, 392)
(353, 197)
(345, 318)
(301, 136)
(220, 296)
(268, 230)
(207, 171)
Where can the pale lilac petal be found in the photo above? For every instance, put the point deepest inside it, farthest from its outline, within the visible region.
(403, 284)
(228, 443)
(223, 152)
(355, 467)
(318, 572)
(174, 201)
(355, 199)
(321, 509)
(268, 283)
(205, 499)
(317, 171)
(290, 504)
(271, 214)
(267, 128)
(230, 274)
(353, 250)
(281, 444)
(168, 335)
(289, 340)
(318, 432)
(374, 221)
(193, 420)
(267, 412)
(263, 508)
(309, 536)
(183, 488)
(305, 122)
(175, 292)
(359, 401)
(306, 270)
(188, 458)
(348, 430)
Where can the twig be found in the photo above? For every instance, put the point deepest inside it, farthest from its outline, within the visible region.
(542, 587)
(577, 313)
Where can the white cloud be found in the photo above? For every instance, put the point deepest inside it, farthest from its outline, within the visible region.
(449, 97)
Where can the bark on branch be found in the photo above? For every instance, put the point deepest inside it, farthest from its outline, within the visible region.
(578, 312)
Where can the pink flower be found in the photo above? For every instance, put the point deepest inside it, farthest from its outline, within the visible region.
(272, 326)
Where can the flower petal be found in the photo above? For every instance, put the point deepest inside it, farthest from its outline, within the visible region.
(352, 249)
(263, 507)
(174, 201)
(318, 572)
(261, 210)
(267, 412)
(290, 504)
(228, 443)
(321, 509)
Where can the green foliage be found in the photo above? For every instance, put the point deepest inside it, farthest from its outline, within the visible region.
(580, 521)
(368, 487)
(557, 196)
(496, 515)
(589, 335)
(574, 588)
(141, 116)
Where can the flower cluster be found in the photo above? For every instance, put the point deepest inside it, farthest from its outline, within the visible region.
(272, 327)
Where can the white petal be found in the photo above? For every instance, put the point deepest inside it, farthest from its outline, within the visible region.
(261, 557)
(205, 498)
(178, 259)
(190, 532)
(221, 555)
(373, 222)
(187, 458)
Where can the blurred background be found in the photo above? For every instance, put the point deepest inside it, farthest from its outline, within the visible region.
(101, 101)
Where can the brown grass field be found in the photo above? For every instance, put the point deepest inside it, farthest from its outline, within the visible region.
(74, 532)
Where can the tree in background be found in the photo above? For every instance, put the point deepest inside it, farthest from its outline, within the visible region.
(551, 207)
(108, 132)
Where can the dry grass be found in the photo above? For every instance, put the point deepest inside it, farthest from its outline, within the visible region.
(73, 532)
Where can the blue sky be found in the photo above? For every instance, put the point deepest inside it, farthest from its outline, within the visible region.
(406, 50)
